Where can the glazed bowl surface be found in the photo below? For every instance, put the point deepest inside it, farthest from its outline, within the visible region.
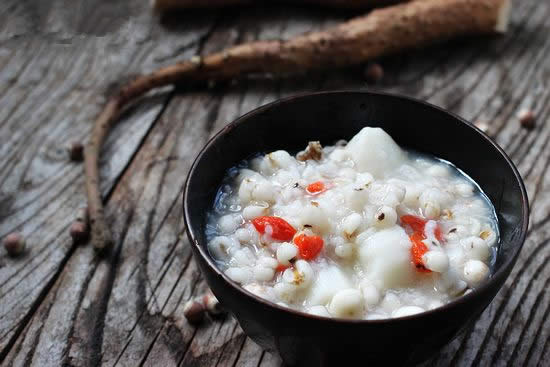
(289, 124)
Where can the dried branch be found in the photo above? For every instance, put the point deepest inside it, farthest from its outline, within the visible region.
(164, 5)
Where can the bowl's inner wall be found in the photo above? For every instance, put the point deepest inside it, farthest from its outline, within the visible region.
(289, 125)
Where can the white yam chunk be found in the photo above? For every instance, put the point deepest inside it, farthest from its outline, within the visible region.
(347, 303)
(329, 281)
(373, 150)
(385, 258)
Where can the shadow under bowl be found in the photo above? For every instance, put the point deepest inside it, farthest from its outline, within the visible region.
(303, 339)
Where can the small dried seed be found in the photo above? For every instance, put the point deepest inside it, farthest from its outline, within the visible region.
(76, 151)
(314, 150)
(79, 232)
(373, 73)
(14, 243)
(211, 304)
(527, 118)
(484, 235)
(194, 312)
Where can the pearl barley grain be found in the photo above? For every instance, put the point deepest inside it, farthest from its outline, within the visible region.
(345, 250)
(436, 261)
(286, 252)
(475, 272)
(371, 294)
(253, 211)
(239, 275)
(222, 246)
(407, 311)
(476, 248)
(228, 224)
(351, 223)
(346, 303)
(263, 273)
(385, 216)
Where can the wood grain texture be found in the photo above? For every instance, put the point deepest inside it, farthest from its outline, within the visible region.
(60, 305)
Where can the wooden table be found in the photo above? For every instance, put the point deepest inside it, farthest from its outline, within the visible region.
(62, 305)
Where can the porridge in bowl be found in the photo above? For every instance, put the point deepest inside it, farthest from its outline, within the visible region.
(363, 230)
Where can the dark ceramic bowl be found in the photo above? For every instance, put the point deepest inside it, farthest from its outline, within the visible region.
(303, 339)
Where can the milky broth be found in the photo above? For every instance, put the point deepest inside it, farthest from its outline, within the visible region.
(361, 230)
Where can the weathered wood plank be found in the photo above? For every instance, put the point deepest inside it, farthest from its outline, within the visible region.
(54, 91)
(127, 308)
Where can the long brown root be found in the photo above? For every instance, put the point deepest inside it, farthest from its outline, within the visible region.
(163, 5)
(381, 32)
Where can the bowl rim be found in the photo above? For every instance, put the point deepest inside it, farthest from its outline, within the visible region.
(498, 275)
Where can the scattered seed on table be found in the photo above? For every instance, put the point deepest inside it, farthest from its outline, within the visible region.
(373, 73)
(14, 243)
(211, 304)
(193, 312)
(526, 118)
(76, 151)
(79, 231)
